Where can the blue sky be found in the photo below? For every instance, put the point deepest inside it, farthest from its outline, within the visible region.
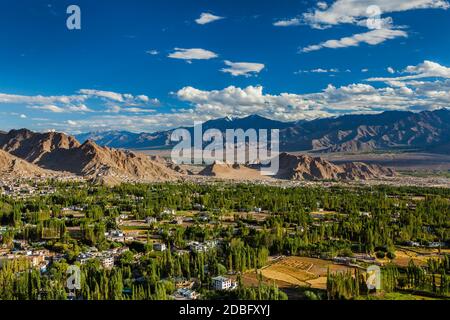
(150, 65)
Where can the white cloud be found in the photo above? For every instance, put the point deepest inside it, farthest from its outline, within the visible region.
(285, 106)
(287, 22)
(79, 108)
(426, 69)
(137, 110)
(23, 116)
(39, 99)
(364, 13)
(234, 101)
(352, 11)
(49, 107)
(152, 52)
(320, 70)
(373, 37)
(322, 5)
(425, 86)
(354, 98)
(206, 18)
(125, 98)
(114, 109)
(390, 70)
(143, 98)
(242, 68)
(103, 94)
(192, 54)
(77, 103)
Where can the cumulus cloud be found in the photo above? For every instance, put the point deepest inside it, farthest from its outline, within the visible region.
(322, 5)
(285, 106)
(192, 54)
(373, 37)
(242, 68)
(363, 13)
(103, 94)
(115, 97)
(79, 108)
(353, 11)
(113, 109)
(77, 103)
(152, 52)
(390, 70)
(426, 69)
(203, 105)
(353, 98)
(206, 18)
(409, 94)
(287, 22)
(422, 86)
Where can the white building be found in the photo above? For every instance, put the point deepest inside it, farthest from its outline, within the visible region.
(187, 294)
(221, 283)
(159, 247)
(107, 262)
(150, 220)
(169, 212)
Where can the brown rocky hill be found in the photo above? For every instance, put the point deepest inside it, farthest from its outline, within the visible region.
(305, 167)
(13, 167)
(227, 171)
(32, 146)
(60, 152)
(91, 160)
(300, 168)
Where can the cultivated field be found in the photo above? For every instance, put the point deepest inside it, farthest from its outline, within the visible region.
(418, 255)
(301, 271)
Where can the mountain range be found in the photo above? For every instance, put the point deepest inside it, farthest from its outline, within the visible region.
(25, 154)
(391, 130)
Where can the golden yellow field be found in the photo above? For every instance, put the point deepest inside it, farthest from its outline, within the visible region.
(420, 256)
(302, 271)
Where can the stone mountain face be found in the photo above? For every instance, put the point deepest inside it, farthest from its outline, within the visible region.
(392, 130)
(232, 172)
(32, 146)
(304, 167)
(13, 168)
(307, 168)
(59, 152)
(426, 131)
(300, 168)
